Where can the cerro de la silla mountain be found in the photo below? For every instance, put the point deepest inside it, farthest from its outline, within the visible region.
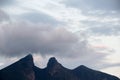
(24, 69)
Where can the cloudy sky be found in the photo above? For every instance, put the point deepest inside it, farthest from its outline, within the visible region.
(76, 32)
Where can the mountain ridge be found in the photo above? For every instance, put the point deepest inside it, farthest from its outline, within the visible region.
(25, 69)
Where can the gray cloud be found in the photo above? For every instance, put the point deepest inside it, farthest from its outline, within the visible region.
(39, 17)
(94, 4)
(6, 2)
(3, 16)
(102, 13)
(109, 65)
(22, 38)
(101, 28)
(106, 30)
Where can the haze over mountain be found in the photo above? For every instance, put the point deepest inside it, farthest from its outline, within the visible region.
(24, 69)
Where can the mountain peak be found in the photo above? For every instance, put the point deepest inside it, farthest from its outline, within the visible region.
(29, 56)
(28, 60)
(53, 66)
(52, 61)
(81, 67)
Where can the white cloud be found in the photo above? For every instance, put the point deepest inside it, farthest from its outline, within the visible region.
(109, 44)
(112, 70)
(1, 64)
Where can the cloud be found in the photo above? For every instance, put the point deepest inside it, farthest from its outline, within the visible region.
(1, 64)
(108, 30)
(111, 65)
(6, 2)
(94, 4)
(38, 17)
(3, 16)
(102, 28)
(21, 38)
(18, 39)
(101, 23)
(112, 70)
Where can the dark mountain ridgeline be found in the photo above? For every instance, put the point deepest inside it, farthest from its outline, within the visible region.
(24, 69)
(21, 70)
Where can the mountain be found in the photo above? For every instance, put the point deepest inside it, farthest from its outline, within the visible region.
(21, 70)
(24, 69)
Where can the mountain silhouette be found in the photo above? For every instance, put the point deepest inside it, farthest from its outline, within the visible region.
(21, 70)
(24, 69)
